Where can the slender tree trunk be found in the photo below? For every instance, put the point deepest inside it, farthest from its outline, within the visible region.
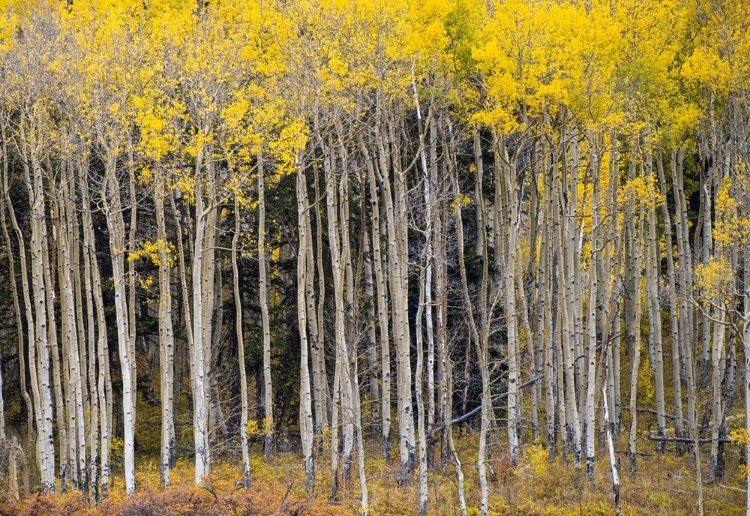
(746, 349)
(166, 336)
(307, 427)
(116, 229)
(565, 278)
(673, 303)
(382, 295)
(198, 359)
(448, 430)
(483, 358)
(342, 382)
(419, 395)
(592, 310)
(611, 450)
(717, 403)
(634, 330)
(103, 381)
(39, 344)
(324, 415)
(395, 207)
(654, 261)
(315, 322)
(30, 414)
(265, 323)
(240, 346)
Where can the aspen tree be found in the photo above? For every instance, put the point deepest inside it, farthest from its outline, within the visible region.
(431, 187)
(240, 346)
(350, 424)
(113, 211)
(51, 327)
(314, 261)
(746, 349)
(265, 324)
(166, 336)
(545, 289)
(373, 387)
(342, 406)
(9, 447)
(6, 203)
(396, 226)
(684, 256)
(423, 495)
(103, 381)
(307, 427)
(382, 294)
(74, 388)
(610, 446)
(198, 365)
(652, 279)
(566, 240)
(482, 346)
(634, 326)
(591, 341)
(41, 355)
(425, 280)
(511, 226)
(673, 302)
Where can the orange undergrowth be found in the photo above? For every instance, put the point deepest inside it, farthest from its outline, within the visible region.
(665, 485)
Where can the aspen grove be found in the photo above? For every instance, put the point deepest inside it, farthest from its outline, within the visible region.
(438, 235)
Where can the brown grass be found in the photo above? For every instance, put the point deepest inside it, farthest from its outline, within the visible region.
(665, 485)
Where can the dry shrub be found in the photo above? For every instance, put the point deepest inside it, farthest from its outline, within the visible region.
(665, 485)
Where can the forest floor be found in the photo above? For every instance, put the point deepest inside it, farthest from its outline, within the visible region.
(665, 484)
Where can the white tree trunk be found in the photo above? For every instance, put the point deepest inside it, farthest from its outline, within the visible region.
(116, 229)
(307, 427)
(166, 338)
(265, 324)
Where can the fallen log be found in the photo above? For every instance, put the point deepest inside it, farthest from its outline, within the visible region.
(685, 439)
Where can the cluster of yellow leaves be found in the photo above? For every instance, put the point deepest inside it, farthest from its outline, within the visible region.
(643, 191)
(461, 201)
(732, 227)
(153, 252)
(256, 428)
(740, 436)
(534, 461)
(715, 277)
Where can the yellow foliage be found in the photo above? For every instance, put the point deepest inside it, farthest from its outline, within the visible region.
(643, 191)
(715, 277)
(534, 461)
(253, 428)
(740, 436)
(154, 251)
(461, 201)
(732, 227)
